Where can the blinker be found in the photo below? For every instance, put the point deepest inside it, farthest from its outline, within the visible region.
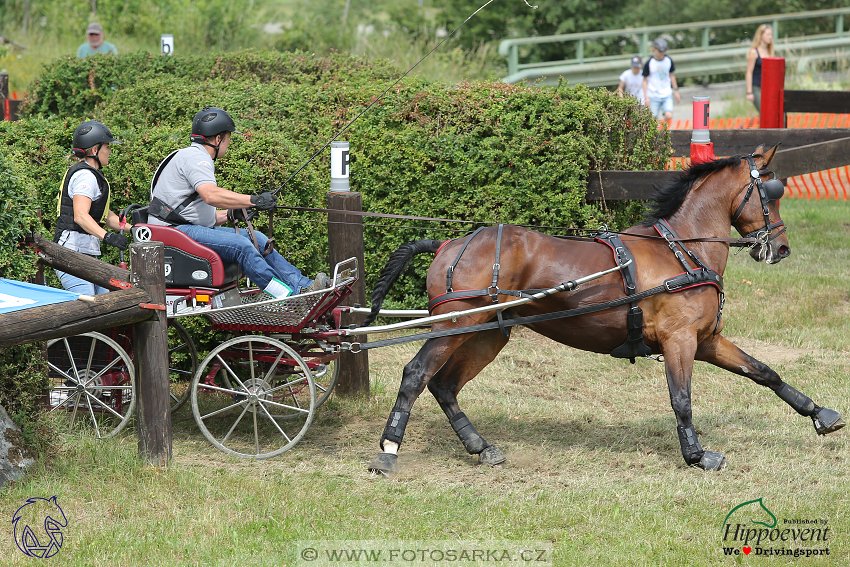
(773, 189)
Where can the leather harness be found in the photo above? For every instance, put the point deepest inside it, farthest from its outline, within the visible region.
(634, 345)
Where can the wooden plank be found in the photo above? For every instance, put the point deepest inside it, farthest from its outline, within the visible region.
(811, 158)
(837, 102)
(345, 239)
(150, 345)
(80, 265)
(745, 141)
(73, 317)
(625, 185)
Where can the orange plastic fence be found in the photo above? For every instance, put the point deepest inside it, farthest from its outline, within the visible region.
(829, 184)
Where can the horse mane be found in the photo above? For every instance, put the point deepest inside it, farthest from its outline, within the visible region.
(667, 200)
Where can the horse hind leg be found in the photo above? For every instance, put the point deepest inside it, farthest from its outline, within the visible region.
(722, 353)
(433, 354)
(464, 365)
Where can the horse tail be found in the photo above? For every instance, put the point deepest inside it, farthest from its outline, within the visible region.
(395, 266)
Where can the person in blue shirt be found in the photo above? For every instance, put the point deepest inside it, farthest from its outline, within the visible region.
(95, 43)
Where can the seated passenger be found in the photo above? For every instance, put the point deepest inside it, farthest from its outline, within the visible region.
(185, 195)
(84, 203)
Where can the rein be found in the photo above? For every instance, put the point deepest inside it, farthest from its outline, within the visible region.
(740, 242)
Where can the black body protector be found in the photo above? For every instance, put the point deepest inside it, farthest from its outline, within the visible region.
(65, 206)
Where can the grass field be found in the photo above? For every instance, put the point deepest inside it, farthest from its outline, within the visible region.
(594, 468)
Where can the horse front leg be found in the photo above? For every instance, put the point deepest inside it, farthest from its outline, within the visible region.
(679, 352)
(433, 354)
(722, 353)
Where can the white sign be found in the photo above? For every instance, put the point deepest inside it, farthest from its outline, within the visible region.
(166, 43)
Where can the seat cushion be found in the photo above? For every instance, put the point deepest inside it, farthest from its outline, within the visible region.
(187, 262)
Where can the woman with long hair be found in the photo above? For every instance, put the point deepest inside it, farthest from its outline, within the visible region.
(762, 46)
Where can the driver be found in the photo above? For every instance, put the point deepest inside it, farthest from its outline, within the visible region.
(185, 194)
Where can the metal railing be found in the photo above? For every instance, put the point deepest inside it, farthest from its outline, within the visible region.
(704, 60)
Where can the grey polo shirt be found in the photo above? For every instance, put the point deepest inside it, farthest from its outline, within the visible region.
(188, 169)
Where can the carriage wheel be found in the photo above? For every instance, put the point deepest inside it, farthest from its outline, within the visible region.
(182, 363)
(92, 383)
(263, 407)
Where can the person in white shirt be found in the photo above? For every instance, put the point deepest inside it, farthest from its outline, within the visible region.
(659, 82)
(631, 80)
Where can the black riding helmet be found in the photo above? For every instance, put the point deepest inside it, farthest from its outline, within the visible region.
(210, 122)
(90, 134)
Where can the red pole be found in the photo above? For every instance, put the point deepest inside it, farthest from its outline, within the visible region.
(772, 92)
(702, 150)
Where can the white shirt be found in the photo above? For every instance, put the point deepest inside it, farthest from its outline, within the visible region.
(633, 83)
(82, 183)
(658, 85)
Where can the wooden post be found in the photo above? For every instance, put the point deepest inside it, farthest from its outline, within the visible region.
(150, 345)
(4, 96)
(345, 239)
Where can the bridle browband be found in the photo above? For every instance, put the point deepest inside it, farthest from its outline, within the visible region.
(770, 190)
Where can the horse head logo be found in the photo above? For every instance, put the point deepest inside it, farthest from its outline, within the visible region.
(39, 511)
(756, 509)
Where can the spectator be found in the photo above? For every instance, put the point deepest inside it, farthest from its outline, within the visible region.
(762, 46)
(96, 43)
(659, 82)
(631, 80)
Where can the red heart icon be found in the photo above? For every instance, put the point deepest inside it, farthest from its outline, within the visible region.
(747, 550)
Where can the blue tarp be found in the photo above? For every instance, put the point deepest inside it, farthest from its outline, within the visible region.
(15, 295)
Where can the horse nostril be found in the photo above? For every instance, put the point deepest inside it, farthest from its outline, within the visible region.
(784, 251)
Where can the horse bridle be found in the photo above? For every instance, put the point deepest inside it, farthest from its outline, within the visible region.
(770, 190)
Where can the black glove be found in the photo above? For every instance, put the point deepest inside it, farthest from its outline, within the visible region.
(264, 201)
(116, 240)
(237, 215)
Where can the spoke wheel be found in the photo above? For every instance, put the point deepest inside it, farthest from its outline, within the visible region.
(92, 383)
(253, 397)
(182, 363)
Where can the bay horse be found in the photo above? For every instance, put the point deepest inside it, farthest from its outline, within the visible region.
(682, 245)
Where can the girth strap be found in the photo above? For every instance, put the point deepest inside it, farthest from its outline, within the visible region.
(634, 345)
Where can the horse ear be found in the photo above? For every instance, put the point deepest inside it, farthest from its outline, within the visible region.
(768, 155)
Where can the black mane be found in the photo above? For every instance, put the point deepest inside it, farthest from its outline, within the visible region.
(667, 200)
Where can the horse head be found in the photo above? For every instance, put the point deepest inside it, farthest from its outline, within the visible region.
(755, 208)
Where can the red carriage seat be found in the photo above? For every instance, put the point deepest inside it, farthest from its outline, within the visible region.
(187, 263)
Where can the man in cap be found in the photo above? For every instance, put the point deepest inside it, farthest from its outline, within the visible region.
(631, 80)
(659, 82)
(185, 195)
(95, 43)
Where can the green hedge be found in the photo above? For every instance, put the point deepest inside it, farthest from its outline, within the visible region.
(485, 152)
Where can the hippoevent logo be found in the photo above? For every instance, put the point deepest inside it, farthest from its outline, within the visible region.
(751, 528)
(38, 527)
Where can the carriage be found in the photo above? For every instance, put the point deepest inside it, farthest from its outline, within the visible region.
(254, 395)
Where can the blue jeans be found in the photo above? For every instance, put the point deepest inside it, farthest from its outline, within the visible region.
(238, 248)
(79, 285)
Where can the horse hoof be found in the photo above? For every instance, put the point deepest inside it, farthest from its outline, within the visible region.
(827, 421)
(384, 463)
(712, 461)
(491, 455)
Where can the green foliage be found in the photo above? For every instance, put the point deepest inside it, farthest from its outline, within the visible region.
(478, 152)
(23, 373)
